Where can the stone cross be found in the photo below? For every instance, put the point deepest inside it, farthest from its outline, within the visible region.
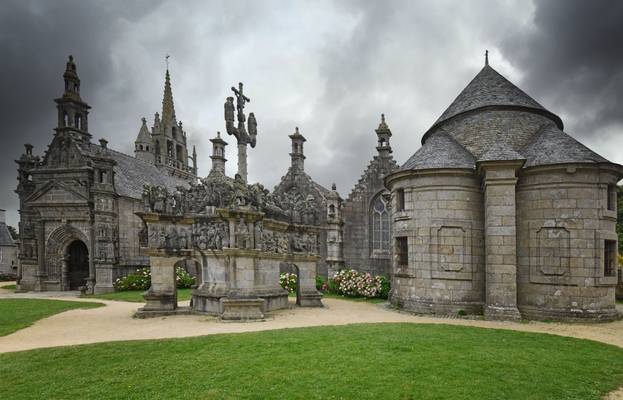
(243, 136)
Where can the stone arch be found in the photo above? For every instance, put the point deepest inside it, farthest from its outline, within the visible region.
(292, 268)
(56, 248)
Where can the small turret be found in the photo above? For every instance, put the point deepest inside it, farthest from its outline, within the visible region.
(144, 145)
(384, 133)
(297, 155)
(72, 111)
(218, 154)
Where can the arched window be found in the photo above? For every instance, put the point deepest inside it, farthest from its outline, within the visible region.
(65, 119)
(379, 221)
(78, 121)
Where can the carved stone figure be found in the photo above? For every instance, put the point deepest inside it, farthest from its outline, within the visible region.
(243, 237)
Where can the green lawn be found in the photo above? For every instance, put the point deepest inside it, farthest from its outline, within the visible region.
(136, 296)
(376, 361)
(16, 314)
(8, 287)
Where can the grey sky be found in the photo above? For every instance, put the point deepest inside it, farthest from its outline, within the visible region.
(329, 67)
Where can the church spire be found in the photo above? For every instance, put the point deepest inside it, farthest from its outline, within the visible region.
(168, 109)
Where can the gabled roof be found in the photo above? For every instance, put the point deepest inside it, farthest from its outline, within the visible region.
(550, 145)
(440, 151)
(131, 174)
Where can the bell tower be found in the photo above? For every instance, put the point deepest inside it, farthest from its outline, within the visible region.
(72, 111)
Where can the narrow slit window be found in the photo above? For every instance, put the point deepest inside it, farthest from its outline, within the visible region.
(610, 258)
(402, 251)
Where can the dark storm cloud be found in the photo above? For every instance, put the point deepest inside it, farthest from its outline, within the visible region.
(35, 40)
(329, 67)
(572, 60)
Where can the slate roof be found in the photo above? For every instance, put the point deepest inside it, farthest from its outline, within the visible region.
(5, 236)
(500, 151)
(550, 145)
(490, 134)
(440, 151)
(488, 88)
(131, 174)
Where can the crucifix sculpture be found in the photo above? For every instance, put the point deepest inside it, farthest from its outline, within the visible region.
(243, 136)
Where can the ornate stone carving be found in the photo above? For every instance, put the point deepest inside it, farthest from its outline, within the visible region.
(210, 235)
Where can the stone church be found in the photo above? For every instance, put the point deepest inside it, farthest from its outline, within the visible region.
(78, 201)
(500, 211)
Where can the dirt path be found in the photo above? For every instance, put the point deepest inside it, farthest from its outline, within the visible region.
(114, 322)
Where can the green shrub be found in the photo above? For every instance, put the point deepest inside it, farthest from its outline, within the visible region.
(141, 280)
(321, 284)
(288, 281)
(349, 282)
(183, 279)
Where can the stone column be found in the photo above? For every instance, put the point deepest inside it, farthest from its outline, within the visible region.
(162, 295)
(242, 161)
(500, 239)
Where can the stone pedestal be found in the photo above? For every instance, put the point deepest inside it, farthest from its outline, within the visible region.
(309, 298)
(162, 295)
(241, 309)
(500, 239)
(103, 279)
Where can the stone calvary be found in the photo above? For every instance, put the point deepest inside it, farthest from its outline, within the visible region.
(239, 235)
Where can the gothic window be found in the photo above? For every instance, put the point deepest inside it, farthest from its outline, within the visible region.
(380, 224)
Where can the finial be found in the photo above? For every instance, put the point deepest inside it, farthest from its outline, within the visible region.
(383, 124)
(166, 60)
(296, 131)
(486, 57)
(218, 134)
(144, 120)
(334, 186)
(71, 58)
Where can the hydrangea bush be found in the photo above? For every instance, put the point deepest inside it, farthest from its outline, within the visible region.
(349, 282)
(288, 281)
(141, 280)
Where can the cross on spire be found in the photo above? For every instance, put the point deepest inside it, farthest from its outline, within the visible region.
(166, 60)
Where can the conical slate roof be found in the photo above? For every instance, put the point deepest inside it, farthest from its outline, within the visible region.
(440, 151)
(488, 88)
(143, 135)
(552, 146)
(500, 151)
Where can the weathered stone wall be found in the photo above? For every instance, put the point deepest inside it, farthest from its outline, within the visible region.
(130, 226)
(563, 221)
(356, 214)
(443, 222)
(8, 261)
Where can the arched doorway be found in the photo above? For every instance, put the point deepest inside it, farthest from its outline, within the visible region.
(77, 264)
(293, 269)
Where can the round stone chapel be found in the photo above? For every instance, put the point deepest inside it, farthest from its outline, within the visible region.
(501, 212)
